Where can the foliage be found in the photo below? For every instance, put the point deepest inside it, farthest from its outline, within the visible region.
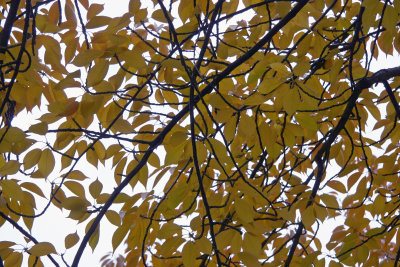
(236, 131)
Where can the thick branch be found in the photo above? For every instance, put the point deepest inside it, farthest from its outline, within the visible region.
(392, 98)
(159, 139)
(296, 239)
(380, 76)
(28, 9)
(6, 32)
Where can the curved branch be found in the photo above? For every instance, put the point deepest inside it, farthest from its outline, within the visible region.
(159, 139)
(366, 82)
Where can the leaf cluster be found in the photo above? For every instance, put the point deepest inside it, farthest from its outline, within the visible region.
(235, 131)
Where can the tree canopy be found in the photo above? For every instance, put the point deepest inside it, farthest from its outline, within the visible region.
(237, 131)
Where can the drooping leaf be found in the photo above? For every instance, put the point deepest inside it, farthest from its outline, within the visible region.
(71, 240)
(46, 163)
(42, 248)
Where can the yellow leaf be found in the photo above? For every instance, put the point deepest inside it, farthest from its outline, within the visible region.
(75, 188)
(177, 138)
(171, 245)
(251, 243)
(246, 127)
(174, 154)
(119, 235)
(220, 150)
(269, 84)
(186, 10)
(85, 3)
(75, 203)
(54, 14)
(13, 259)
(334, 70)
(34, 261)
(46, 163)
(39, 128)
(71, 240)
(92, 157)
(204, 245)
(70, 50)
(280, 68)
(329, 200)
(102, 198)
(94, 239)
(100, 150)
(291, 100)
(77, 175)
(189, 254)
(32, 158)
(94, 9)
(113, 217)
(71, 108)
(13, 134)
(143, 175)
(154, 160)
(170, 97)
(57, 108)
(140, 15)
(42, 248)
(11, 167)
(177, 196)
(337, 186)
(98, 21)
(310, 258)
(70, 14)
(3, 202)
(249, 259)
(33, 188)
(236, 242)
(305, 45)
(168, 230)
(6, 244)
(308, 217)
(97, 73)
(85, 57)
(301, 68)
(134, 6)
(244, 210)
(159, 97)
(133, 58)
(159, 16)
(123, 126)
(307, 121)
(95, 188)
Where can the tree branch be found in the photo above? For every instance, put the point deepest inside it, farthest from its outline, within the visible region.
(366, 82)
(159, 139)
(25, 233)
(392, 98)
